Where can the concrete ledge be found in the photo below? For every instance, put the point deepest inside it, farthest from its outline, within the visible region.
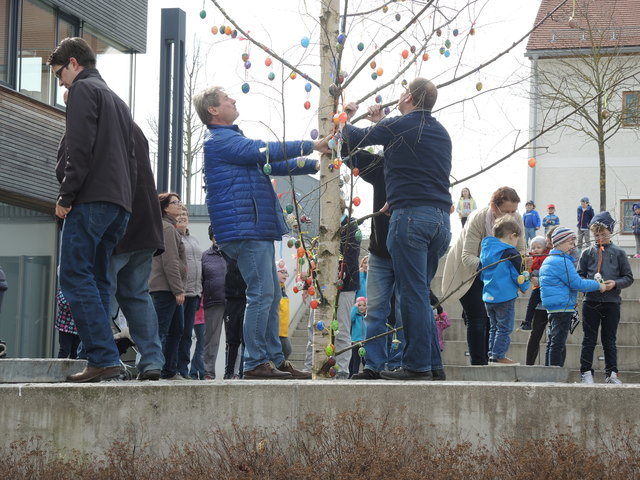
(162, 415)
(515, 373)
(38, 370)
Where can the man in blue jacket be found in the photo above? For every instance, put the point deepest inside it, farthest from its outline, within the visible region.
(247, 219)
(417, 164)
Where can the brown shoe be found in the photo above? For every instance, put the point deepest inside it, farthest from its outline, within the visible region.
(95, 374)
(504, 361)
(295, 373)
(266, 372)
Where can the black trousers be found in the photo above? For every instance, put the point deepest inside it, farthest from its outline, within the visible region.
(605, 316)
(477, 323)
(540, 321)
(69, 343)
(233, 322)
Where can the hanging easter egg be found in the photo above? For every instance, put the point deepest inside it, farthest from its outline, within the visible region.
(290, 241)
(267, 169)
(271, 76)
(378, 98)
(356, 172)
(479, 86)
(203, 14)
(335, 325)
(281, 263)
(245, 57)
(245, 88)
(472, 31)
(334, 90)
(605, 114)
(298, 244)
(387, 110)
(360, 46)
(234, 34)
(439, 32)
(520, 279)
(307, 105)
(455, 32)
(341, 38)
(362, 352)
(447, 53)
(214, 30)
(314, 134)
(374, 75)
(247, 64)
(307, 87)
(385, 9)
(333, 372)
(320, 324)
(329, 350)
(331, 361)
(339, 284)
(293, 75)
(300, 162)
(405, 53)
(343, 117)
(340, 78)
(332, 144)
(425, 57)
(268, 61)
(300, 252)
(373, 64)
(227, 30)
(314, 304)
(311, 291)
(379, 71)
(289, 209)
(308, 279)
(442, 50)
(404, 83)
(301, 262)
(395, 343)
(336, 119)
(222, 28)
(337, 163)
(447, 43)
(573, 23)
(304, 42)
(356, 201)
(532, 162)
(358, 236)
(398, 17)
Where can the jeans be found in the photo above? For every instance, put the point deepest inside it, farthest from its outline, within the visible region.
(538, 325)
(501, 317)
(529, 233)
(477, 323)
(190, 308)
(90, 233)
(131, 291)
(417, 238)
(605, 316)
(196, 370)
(380, 288)
(559, 325)
(170, 326)
(233, 321)
(213, 320)
(261, 317)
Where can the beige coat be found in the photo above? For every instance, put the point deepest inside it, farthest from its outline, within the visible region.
(463, 258)
(169, 270)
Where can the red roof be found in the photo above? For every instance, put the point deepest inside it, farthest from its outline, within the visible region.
(611, 23)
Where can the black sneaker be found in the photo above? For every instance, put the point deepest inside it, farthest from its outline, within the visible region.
(404, 374)
(439, 374)
(525, 327)
(366, 374)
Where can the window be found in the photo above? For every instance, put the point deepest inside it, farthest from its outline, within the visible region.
(4, 40)
(631, 109)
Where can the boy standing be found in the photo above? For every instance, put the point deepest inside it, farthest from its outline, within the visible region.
(559, 285)
(502, 279)
(551, 220)
(602, 310)
(636, 227)
(585, 215)
(531, 221)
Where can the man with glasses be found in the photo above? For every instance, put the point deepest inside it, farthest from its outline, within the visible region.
(417, 163)
(95, 200)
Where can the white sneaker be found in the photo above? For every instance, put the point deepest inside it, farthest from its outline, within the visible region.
(613, 378)
(587, 377)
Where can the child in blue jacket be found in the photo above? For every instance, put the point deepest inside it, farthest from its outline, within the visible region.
(502, 278)
(358, 333)
(531, 220)
(559, 287)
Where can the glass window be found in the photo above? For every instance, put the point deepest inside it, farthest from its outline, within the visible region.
(4, 41)
(113, 62)
(631, 109)
(37, 40)
(66, 29)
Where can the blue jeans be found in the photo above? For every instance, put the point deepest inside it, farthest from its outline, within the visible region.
(417, 238)
(380, 287)
(196, 370)
(90, 233)
(131, 290)
(170, 326)
(190, 307)
(502, 316)
(256, 262)
(605, 316)
(559, 325)
(529, 233)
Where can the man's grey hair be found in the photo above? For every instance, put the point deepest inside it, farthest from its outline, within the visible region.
(209, 97)
(423, 93)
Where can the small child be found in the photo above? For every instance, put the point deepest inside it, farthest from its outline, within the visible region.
(585, 215)
(636, 227)
(538, 250)
(441, 318)
(602, 310)
(68, 338)
(501, 277)
(551, 219)
(358, 334)
(531, 220)
(559, 287)
(283, 332)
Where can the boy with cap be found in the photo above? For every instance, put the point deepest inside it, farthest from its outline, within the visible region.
(551, 220)
(585, 215)
(602, 310)
(531, 220)
(559, 287)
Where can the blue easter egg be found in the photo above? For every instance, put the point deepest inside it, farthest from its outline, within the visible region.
(271, 76)
(203, 14)
(387, 110)
(247, 64)
(307, 87)
(447, 53)
(374, 75)
(360, 46)
(245, 88)
(378, 98)
(314, 134)
(304, 42)
(342, 38)
(320, 326)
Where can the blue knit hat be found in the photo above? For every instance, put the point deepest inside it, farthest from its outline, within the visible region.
(603, 218)
(560, 235)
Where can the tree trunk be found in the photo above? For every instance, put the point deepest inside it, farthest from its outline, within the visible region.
(329, 244)
(603, 171)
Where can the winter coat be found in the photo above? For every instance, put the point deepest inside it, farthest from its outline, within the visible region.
(169, 270)
(613, 266)
(501, 280)
(636, 224)
(550, 220)
(193, 255)
(214, 271)
(241, 200)
(531, 219)
(560, 282)
(585, 216)
(350, 250)
(358, 329)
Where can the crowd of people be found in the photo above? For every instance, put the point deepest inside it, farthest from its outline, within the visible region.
(125, 247)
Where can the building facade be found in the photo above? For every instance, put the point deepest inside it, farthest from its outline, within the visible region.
(31, 125)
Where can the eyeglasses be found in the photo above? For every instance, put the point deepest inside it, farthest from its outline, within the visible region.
(175, 202)
(58, 73)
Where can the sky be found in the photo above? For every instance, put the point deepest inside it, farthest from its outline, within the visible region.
(483, 129)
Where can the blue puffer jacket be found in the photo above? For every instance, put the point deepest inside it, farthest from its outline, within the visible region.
(560, 282)
(240, 198)
(501, 280)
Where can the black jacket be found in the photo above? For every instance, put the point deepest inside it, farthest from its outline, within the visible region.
(144, 230)
(214, 271)
(100, 163)
(350, 250)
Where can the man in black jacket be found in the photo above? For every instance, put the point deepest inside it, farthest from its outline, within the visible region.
(95, 200)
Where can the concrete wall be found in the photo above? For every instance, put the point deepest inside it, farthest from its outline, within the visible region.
(88, 418)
